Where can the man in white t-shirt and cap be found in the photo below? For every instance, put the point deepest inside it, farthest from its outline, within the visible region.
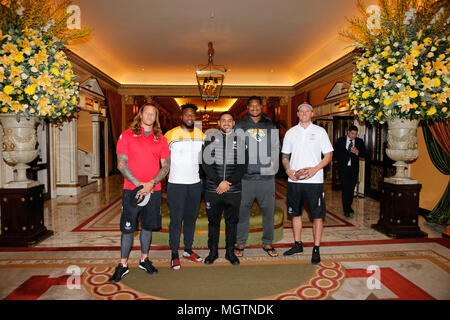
(303, 147)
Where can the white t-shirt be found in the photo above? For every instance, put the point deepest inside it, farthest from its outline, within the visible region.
(185, 154)
(306, 147)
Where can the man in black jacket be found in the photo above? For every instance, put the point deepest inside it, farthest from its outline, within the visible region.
(224, 163)
(263, 144)
(348, 150)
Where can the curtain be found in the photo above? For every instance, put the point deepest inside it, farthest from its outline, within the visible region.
(441, 212)
(441, 132)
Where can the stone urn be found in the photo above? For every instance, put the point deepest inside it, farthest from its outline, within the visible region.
(19, 147)
(402, 147)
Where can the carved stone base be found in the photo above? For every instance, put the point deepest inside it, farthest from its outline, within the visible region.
(394, 180)
(19, 145)
(402, 146)
(21, 184)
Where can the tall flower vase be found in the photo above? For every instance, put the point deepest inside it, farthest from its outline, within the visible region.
(399, 204)
(402, 147)
(21, 200)
(19, 147)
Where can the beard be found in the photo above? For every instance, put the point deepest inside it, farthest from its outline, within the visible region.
(254, 115)
(188, 126)
(148, 124)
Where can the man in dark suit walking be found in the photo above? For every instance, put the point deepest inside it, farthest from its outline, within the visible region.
(348, 150)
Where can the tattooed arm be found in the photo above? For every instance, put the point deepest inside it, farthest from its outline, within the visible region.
(148, 186)
(285, 161)
(162, 173)
(126, 172)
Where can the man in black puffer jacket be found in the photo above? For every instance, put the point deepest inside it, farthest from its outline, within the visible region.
(224, 163)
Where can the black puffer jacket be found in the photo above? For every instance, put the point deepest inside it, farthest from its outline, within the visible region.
(224, 157)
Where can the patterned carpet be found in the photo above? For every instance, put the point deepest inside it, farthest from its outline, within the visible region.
(358, 263)
(360, 270)
(108, 219)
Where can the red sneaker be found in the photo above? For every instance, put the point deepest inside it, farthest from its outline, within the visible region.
(193, 256)
(175, 264)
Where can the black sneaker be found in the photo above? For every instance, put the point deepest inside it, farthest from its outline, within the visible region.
(147, 266)
(213, 255)
(315, 259)
(119, 273)
(230, 256)
(297, 248)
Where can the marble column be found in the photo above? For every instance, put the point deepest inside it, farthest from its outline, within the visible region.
(66, 158)
(95, 169)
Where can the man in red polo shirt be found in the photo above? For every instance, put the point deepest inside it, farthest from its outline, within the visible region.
(140, 151)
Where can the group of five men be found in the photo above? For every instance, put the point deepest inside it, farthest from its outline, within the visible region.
(240, 162)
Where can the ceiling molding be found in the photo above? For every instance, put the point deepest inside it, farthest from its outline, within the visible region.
(263, 91)
(159, 90)
(79, 63)
(334, 70)
(192, 90)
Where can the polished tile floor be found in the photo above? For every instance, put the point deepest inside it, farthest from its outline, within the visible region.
(65, 213)
(76, 264)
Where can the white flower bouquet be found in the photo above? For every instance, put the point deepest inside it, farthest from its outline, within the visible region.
(36, 78)
(404, 68)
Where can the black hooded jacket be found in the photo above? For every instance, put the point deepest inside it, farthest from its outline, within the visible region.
(224, 157)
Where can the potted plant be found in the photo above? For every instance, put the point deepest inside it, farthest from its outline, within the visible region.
(402, 75)
(36, 78)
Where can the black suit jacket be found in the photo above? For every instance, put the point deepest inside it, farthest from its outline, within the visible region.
(343, 155)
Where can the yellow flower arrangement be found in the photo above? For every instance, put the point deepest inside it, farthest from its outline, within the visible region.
(36, 78)
(407, 57)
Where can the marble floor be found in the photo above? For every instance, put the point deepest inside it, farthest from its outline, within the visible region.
(65, 213)
(84, 260)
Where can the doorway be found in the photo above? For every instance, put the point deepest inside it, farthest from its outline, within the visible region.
(378, 164)
(340, 128)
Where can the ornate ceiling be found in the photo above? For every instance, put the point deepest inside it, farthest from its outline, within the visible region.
(262, 42)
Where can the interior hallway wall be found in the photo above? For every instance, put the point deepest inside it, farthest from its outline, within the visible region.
(432, 180)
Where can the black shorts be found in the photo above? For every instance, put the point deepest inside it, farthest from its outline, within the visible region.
(311, 194)
(149, 215)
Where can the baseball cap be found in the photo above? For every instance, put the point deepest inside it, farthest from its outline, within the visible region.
(137, 200)
(305, 104)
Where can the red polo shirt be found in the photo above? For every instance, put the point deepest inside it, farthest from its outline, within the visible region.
(144, 155)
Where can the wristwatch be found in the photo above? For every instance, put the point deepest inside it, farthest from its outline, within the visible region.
(154, 184)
